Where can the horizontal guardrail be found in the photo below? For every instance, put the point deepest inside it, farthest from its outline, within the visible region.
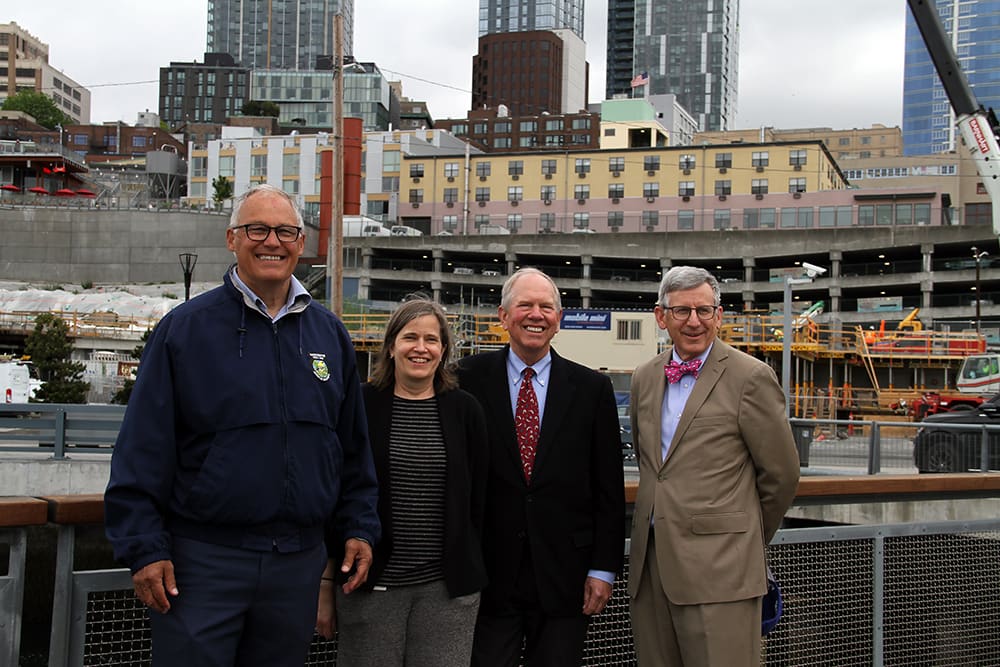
(58, 428)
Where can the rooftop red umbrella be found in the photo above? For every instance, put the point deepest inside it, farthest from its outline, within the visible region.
(10, 188)
(83, 192)
(65, 192)
(38, 190)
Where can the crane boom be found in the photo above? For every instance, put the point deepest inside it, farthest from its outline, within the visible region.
(977, 125)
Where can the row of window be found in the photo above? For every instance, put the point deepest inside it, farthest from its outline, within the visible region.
(752, 218)
(758, 186)
(524, 126)
(796, 158)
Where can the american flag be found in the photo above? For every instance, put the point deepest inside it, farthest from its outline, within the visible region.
(640, 79)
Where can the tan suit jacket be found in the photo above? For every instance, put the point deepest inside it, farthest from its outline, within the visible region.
(730, 473)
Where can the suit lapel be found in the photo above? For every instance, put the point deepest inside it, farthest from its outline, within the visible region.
(709, 375)
(654, 408)
(558, 399)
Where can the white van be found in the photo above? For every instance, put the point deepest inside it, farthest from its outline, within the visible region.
(403, 230)
(494, 229)
(360, 225)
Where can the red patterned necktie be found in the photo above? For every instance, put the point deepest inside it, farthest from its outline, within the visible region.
(675, 371)
(526, 422)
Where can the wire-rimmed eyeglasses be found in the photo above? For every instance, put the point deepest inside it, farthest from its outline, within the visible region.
(682, 313)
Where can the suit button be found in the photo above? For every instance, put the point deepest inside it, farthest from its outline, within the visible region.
(662, 476)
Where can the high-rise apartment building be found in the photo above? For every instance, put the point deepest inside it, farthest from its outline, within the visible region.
(928, 119)
(532, 58)
(268, 34)
(24, 65)
(500, 16)
(687, 48)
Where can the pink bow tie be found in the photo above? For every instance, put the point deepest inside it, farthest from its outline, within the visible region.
(675, 371)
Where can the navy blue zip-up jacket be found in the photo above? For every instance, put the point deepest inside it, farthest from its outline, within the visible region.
(242, 431)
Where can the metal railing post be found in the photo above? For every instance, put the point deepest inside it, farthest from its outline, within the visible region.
(874, 449)
(59, 444)
(62, 598)
(984, 450)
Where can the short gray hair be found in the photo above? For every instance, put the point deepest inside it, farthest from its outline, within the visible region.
(682, 278)
(262, 188)
(507, 293)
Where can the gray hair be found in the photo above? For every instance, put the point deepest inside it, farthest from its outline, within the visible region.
(682, 278)
(507, 293)
(262, 188)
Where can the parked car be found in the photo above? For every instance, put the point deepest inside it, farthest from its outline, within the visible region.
(937, 449)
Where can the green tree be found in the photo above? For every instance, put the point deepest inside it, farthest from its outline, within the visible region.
(50, 349)
(222, 190)
(255, 108)
(40, 106)
(122, 395)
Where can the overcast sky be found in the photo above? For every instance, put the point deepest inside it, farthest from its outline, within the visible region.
(803, 63)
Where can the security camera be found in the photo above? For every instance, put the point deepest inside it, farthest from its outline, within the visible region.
(812, 270)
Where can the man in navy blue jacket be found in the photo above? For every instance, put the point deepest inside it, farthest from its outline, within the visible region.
(243, 449)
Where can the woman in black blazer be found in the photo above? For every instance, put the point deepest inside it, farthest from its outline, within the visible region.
(429, 443)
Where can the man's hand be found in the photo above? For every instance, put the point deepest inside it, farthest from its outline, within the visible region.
(326, 612)
(357, 556)
(152, 584)
(596, 594)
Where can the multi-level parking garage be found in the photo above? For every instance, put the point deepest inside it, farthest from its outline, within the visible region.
(872, 272)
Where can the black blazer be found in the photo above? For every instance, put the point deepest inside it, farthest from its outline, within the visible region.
(464, 429)
(572, 514)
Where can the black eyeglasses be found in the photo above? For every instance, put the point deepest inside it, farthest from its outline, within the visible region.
(682, 313)
(284, 233)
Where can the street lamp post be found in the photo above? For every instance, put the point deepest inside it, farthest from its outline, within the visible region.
(335, 239)
(188, 260)
(978, 256)
(786, 340)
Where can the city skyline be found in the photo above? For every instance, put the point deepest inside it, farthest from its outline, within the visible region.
(840, 67)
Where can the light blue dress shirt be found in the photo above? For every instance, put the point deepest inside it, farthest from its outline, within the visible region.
(674, 399)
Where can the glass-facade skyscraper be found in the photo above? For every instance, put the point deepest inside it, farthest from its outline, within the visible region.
(277, 34)
(499, 16)
(928, 119)
(688, 48)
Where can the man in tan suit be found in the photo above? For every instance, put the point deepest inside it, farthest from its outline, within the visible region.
(717, 470)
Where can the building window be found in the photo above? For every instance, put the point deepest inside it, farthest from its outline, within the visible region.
(922, 214)
(844, 141)
(482, 169)
(502, 127)
(460, 129)
(515, 193)
(759, 159)
(416, 170)
(650, 219)
(616, 190)
(651, 163)
(501, 142)
(450, 195)
(529, 126)
(258, 165)
(723, 160)
(723, 218)
(546, 222)
(609, 131)
(450, 223)
(723, 188)
(227, 166)
(527, 141)
(583, 165)
(451, 169)
(616, 219)
(515, 167)
(581, 192)
(796, 185)
(482, 221)
(685, 220)
(797, 158)
(514, 221)
(650, 190)
(554, 125)
(628, 330)
(416, 196)
(616, 164)
(482, 194)
(686, 162)
(479, 128)
(548, 193)
(685, 189)
(758, 186)
(581, 221)
(581, 123)
(548, 167)
(390, 161)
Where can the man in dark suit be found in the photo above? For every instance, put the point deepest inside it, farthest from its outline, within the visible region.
(554, 526)
(717, 470)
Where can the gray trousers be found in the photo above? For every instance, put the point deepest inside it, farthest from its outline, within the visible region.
(416, 626)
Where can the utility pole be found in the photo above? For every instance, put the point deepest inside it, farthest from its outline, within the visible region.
(335, 239)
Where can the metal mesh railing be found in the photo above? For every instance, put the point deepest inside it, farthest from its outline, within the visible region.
(901, 594)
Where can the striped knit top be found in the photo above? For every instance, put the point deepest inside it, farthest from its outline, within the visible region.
(417, 478)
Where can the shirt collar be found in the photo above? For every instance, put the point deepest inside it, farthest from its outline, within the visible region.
(515, 367)
(298, 296)
(703, 356)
